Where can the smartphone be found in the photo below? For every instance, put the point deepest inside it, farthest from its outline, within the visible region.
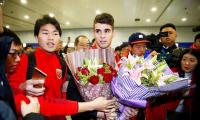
(38, 75)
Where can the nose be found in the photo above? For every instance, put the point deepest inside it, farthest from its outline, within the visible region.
(50, 36)
(17, 58)
(102, 34)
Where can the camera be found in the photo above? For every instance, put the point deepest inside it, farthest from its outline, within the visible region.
(154, 39)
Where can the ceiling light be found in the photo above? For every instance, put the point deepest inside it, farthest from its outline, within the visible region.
(148, 20)
(67, 23)
(184, 19)
(24, 1)
(26, 17)
(8, 26)
(153, 9)
(98, 12)
(51, 14)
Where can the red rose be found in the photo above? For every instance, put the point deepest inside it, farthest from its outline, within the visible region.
(100, 71)
(77, 77)
(107, 77)
(94, 79)
(114, 73)
(85, 71)
(110, 68)
(79, 69)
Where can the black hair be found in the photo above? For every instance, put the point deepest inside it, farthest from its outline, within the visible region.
(117, 48)
(46, 19)
(15, 39)
(28, 46)
(104, 18)
(168, 25)
(195, 53)
(123, 45)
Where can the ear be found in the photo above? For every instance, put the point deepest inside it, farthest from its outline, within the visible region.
(176, 35)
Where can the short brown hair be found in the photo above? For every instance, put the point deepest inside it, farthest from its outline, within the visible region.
(104, 18)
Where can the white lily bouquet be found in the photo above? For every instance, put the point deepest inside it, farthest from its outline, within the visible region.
(139, 79)
(93, 71)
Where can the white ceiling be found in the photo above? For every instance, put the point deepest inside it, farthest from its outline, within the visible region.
(81, 13)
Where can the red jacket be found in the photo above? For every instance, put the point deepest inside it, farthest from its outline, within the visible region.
(52, 102)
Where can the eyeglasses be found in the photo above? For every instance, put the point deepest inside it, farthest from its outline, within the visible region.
(15, 53)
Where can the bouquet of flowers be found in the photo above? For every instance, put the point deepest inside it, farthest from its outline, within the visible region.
(139, 79)
(93, 71)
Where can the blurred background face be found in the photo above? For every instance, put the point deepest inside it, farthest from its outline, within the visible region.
(138, 49)
(48, 38)
(124, 51)
(188, 62)
(197, 43)
(103, 34)
(13, 57)
(83, 43)
(170, 40)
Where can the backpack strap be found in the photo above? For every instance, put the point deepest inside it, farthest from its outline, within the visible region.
(31, 65)
(63, 64)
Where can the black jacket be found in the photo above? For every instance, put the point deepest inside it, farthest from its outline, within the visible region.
(171, 54)
(7, 105)
(73, 94)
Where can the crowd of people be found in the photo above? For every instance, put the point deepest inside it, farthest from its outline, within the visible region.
(58, 95)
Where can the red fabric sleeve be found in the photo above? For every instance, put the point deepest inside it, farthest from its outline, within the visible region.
(52, 106)
(48, 106)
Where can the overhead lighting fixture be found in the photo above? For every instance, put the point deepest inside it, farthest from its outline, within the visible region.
(26, 17)
(98, 12)
(24, 1)
(153, 9)
(184, 19)
(148, 20)
(7, 26)
(67, 23)
(51, 15)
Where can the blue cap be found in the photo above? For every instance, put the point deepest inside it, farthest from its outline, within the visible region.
(137, 38)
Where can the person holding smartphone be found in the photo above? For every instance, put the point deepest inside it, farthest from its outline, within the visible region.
(47, 31)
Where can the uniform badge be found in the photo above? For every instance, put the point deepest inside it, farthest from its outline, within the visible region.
(59, 73)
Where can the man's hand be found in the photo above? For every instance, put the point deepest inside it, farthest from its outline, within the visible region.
(130, 112)
(111, 114)
(32, 107)
(102, 103)
(28, 86)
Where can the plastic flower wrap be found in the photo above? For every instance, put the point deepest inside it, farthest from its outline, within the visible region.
(139, 79)
(93, 71)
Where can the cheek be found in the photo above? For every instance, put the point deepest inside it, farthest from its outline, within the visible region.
(193, 66)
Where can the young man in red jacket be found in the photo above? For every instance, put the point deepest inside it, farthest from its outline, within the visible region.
(52, 104)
